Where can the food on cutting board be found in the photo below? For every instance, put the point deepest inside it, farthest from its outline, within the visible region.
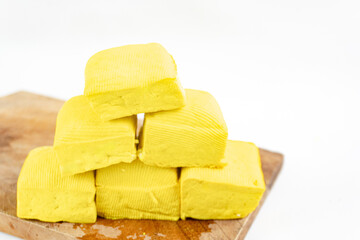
(132, 79)
(220, 179)
(43, 194)
(192, 136)
(231, 192)
(84, 142)
(137, 191)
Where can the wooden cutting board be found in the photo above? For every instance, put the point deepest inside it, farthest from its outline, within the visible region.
(28, 121)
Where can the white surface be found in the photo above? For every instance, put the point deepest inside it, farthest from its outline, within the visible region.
(286, 74)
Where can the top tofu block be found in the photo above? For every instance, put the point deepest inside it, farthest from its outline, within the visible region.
(84, 142)
(132, 79)
(192, 136)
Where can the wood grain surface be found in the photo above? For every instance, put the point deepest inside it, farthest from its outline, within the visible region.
(27, 121)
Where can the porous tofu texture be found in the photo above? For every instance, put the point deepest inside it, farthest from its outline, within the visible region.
(228, 193)
(192, 136)
(132, 79)
(44, 195)
(137, 191)
(84, 142)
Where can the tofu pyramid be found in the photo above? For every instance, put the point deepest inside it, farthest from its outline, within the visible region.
(137, 191)
(132, 79)
(184, 133)
(84, 142)
(194, 135)
(43, 194)
(231, 192)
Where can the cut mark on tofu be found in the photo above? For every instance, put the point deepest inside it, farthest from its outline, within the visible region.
(154, 198)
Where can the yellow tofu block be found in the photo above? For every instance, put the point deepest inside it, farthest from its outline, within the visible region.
(44, 195)
(231, 192)
(137, 191)
(192, 136)
(132, 79)
(84, 142)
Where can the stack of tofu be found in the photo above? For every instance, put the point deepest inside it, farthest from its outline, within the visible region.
(179, 165)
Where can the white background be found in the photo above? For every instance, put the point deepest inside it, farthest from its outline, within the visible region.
(286, 74)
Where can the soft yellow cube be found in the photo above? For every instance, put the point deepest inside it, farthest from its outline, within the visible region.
(194, 135)
(44, 195)
(84, 142)
(132, 79)
(137, 191)
(231, 192)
